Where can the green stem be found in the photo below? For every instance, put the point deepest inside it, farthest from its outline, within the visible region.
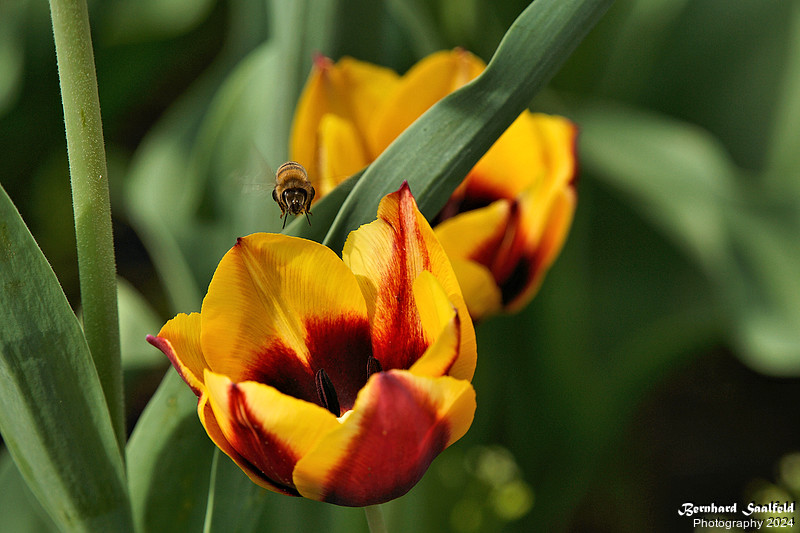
(90, 199)
(375, 519)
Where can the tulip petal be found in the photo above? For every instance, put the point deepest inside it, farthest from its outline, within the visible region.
(557, 136)
(544, 229)
(387, 256)
(279, 309)
(350, 89)
(212, 427)
(399, 424)
(269, 430)
(440, 322)
(179, 339)
(341, 154)
(480, 290)
(514, 163)
(427, 82)
(476, 234)
(491, 236)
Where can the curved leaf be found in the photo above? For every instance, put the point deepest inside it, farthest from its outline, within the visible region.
(54, 418)
(169, 461)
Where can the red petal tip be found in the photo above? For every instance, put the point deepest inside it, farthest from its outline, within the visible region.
(321, 62)
(158, 342)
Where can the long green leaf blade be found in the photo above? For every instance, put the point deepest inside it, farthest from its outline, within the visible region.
(436, 152)
(54, 418)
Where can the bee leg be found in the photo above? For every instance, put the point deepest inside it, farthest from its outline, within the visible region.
(309, 220)
(285, 218)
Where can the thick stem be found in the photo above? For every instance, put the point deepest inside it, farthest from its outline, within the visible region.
(90, 199)
(375, 519)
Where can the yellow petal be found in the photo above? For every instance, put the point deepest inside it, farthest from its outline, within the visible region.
(440, 322)
(349, 89)
(387, 256)
(276, 300)
(514, 163)
(341, 154)
(479, 288)
(557, 136)
(427, 82)
(270, 430)
(475, 233)
(179, 339)
(399, 424)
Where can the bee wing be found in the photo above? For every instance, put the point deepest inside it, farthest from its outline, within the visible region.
(258, 177)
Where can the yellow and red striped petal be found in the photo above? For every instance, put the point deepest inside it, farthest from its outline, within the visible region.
(387, 256)
(212, 427)
(349, 89)
(278, 310)
(179, 339)
(544, 229)
(427, 82)
(399, 424)
(268, 430)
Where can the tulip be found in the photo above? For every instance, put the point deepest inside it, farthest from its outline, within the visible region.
(339, 380)
(505, 224)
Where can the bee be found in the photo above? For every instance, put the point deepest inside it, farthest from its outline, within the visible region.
(293, 191)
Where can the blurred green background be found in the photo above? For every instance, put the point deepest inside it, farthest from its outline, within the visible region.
(658, 365)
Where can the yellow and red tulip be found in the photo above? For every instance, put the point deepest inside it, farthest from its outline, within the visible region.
(339, 380)
(506, 223)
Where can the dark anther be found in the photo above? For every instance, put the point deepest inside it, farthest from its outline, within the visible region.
(326, 392)
(373, 366)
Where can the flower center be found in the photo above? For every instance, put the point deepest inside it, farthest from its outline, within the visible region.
(326, 392)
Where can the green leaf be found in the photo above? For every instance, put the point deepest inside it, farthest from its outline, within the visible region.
(135, 21)
(235, 504)
(676, 173)
(784, 156)
(436, 152)
(169, 461)
(745, 239)
(54, 418)
(19, 508)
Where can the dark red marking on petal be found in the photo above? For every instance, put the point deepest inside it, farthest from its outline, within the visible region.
(575, 178)
(166, 348)
(480, 191)
(280, 367)
(502, 253)
(398, 337)
(400, 437)
(263, 450)
(213, 428)
(517, 281)
(342, 347)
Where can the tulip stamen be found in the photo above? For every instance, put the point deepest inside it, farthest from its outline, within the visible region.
(326, 392)
(373, 366)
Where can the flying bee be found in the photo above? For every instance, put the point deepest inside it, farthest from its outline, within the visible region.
(293, 191)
